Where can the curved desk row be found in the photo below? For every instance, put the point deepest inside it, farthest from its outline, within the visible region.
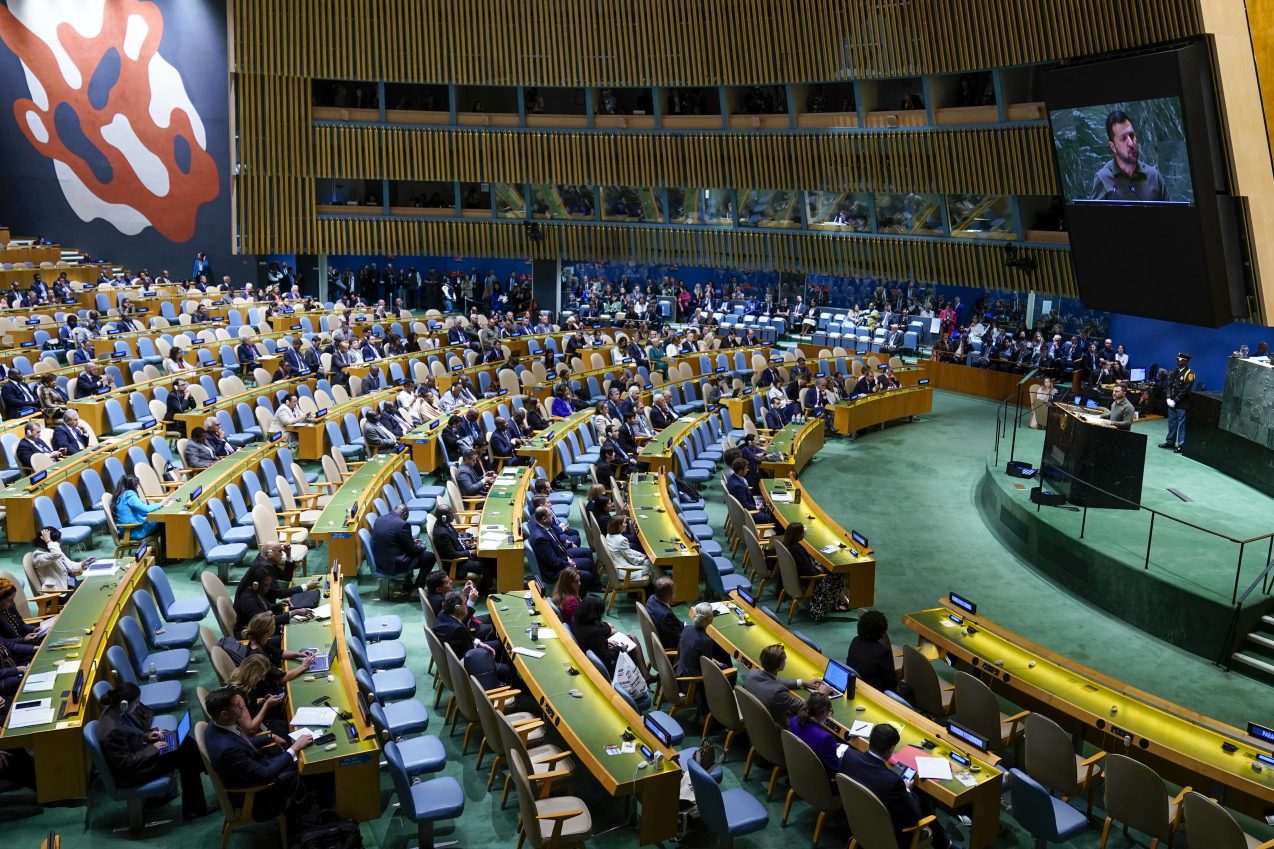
(849, 417)
(791, 449)
(662, 536)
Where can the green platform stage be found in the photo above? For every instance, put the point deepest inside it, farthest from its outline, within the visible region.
(1184, 594)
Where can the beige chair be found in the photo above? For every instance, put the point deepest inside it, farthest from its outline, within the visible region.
(40, 462)
(548, 822)
(216, 593)
(1137, 797)
(669, 691)
(723, 707)
(295, 513)
(545, 763)
(340, 394)
(240, 815)
(619, 574)
(1049, 758)
(808, 779)
(649, 635)
(763, 735)
(799, 588)
(437, 652)
(869, 820)
(929, 695)
(976, 708)
(266, 524)
(762, 565)
(45, 604)
(466, 705)
(488, 704)
(222, 664)
(1210, 826)
(465, 506)
(209, 638)
(305, 495)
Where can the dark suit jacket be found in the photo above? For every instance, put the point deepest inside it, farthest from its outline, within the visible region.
(393, 546)
(775, 693)
(69, 439)
(177, 405)
(459, 635)
(594, 637)
(246, 354)
(134, 761)
(738, 487)
(874, 663)
(27, 447)
(15, 398)
(447, 544)
(874, 774)
(549, 550)
(293, 359)
(246, 763)
(501, 444)
(667, 624)
(660, 419)
(86, 385)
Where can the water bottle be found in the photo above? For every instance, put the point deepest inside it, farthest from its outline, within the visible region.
(535, 632)
(151, 673)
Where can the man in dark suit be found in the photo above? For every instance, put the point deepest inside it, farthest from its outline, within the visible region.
(371, 350)
(243, 761)
(770, 375)
(554, 554)
(450, 547)
(293, 359)
(470, 477)
(892, 343)
(456, 336)
(871, 769)
(179, 401)
(39, 291)
(474, 642)
(773, 419)
(661, 415)
(16, 395)
(668, 626)
(70, 437)
(503, 444)
(90, 380)
(775, 692)
(397, 552)
(736, 483)
(615, 405)
(32, 444)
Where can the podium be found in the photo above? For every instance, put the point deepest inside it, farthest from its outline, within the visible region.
(1096, 456)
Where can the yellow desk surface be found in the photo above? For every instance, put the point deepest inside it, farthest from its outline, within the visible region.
(793, 447)
(789, 502)
(591, 722)
(542, 448)
(335, 525)
(658, 452)
(61, 759)
(745, 642)
(662, 536)
(311, 436)
(92, 408)
(880, 407)
(355, 763)
(195, 418)
(1182, 745)
(502, 520)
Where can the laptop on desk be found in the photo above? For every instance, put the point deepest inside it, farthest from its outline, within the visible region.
(174, 739)
(837, 677)
(323, 660)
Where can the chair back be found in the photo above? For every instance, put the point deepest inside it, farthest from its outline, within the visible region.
(976, 707)
(464, 695)
(788, 574)
(436, 651)
(806, 773)
(668, 685)
(159, 584)
(1049, 756)
(228, 810)
(100, 762)
(1136, 796)
(1210, 826)
(222, 663)
(722, 704)
(486, 714)
(918, 672)
(868, 817)
(708, 799)
(133, 638)
(526, 799)
(762, 732)
(118, 661)
(1032, 806)
(648, 633)
(398, 774)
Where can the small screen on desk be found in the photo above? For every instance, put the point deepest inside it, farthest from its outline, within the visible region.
(102, 391)
(748, 597)
(435, 424)
(318, 414)
(924, 381)
(148, 423)
(39, 476)
(661, 734)
(961, 733)
(859, 538)
(210, 402)
(275, 437)
(141, 550)
(1260, 732)
(198, 492)
(963, 603)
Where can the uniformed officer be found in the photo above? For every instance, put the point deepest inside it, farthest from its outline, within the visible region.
(1180, 385)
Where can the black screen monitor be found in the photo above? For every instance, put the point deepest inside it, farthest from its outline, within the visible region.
(963, 603)
(968, 736)
(661, 734)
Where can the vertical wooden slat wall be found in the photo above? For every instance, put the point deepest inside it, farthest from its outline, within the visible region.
(282, 46)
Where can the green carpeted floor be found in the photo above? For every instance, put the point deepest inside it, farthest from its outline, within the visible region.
(910, 489)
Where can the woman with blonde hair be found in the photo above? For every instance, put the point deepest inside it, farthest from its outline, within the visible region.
(259, 633)
(259, 684)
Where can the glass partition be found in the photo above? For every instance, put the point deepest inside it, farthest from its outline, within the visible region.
(562, 202)
(769, 208)
(981, 217)
(713, 207)
(910, 214)
(509, 202)
(625, 203)
(838, 212)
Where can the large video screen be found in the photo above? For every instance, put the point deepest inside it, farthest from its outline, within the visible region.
(1142, 173)
(1129, 152)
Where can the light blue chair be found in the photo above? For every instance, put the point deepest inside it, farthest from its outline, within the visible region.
(421, 754)
(115, 419)
(46, 516)
(158, 696)
(221, 555)
(726, 813)
(1044, 816)
(388, 685)
(424, 802)
(386, 654)
(719, 577)
(74, 509)
(227, 530)
(385, 626)
(134, 796)
(186, 610)
(169, 664)
(161, 635)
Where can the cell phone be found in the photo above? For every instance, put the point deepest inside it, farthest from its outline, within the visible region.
(324, 739)
(905, 771)
(321, 700)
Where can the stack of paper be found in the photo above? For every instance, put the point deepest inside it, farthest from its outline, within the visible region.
(934, 768)
(101, 567)
(319, 717)
(830, 549)
(324, 612)
(41, 683)
(784, 497)
(22, 718)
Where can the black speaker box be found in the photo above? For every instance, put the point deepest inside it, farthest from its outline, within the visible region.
(1019, 469)
(1048, 499)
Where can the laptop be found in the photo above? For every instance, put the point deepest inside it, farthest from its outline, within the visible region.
(323, 660)
(837, 677)
(1137, 375)
(173, 739)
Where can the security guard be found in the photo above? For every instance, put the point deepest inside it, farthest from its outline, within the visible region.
(1180, 385)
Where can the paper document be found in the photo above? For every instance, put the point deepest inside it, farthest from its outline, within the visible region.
(101, 567)
(830, 549)
(720, 608)
(319, 717)
(935, 768)
(295, 734)
(527, 652)
(41, 683)
(46, 625)
(324, 612)
(840, 749)
(861, 729)
(30, 716)
(68, 667)
(781, 497)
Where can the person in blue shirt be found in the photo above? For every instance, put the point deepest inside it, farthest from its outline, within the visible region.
(131, 508)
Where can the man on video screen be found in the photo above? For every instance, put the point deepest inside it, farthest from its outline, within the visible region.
(1125, 177)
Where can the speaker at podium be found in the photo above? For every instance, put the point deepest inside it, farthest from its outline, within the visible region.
(1090, 461)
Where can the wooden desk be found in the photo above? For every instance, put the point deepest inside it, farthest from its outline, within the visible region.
(542, 448)
(335, 525)
(658, 452)
(312, 436)
(105, 346)
(1181, 745)
(849, 417)
(355, 764)
(793, 447)
(18, 498)
(92, 408)
(179, 538)
(499, 533)
(425, 450)
(652, 510)
(588, 724)
(789, 502)
(745, 642)
(61, 758)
